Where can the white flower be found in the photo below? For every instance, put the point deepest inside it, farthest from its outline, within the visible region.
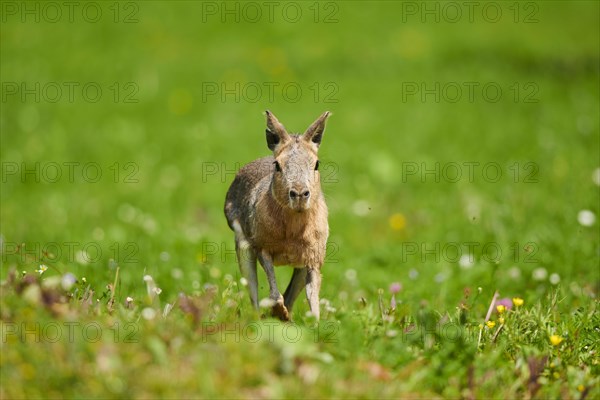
(539, 274)
(266, 303)
(350, 274)
(43, 268)
(148, 313)
(413, 274)
(176, 273)
(361, 208)
(466, 261)
(327, 304)
(67, 281)
(586, 218)
(514, 272)
(441, 277)
(82, 257)
(150, 285)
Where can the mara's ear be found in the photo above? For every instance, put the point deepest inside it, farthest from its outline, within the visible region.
(314, 133)
(276, 133)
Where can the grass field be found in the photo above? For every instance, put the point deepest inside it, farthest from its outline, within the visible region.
(461, 167)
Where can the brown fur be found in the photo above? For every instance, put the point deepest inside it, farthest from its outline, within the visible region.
(280, 216)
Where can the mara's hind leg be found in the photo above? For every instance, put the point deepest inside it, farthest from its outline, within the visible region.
(247, 262)
(297, 283)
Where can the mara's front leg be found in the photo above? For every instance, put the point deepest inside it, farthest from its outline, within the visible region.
(279, 309)
(313, 287)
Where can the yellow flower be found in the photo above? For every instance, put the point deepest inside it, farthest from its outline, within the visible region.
(517, 301)
(501, 320)
(580, 388)
(500, 308)
(397, 221)
(490, 324)
(555, 340)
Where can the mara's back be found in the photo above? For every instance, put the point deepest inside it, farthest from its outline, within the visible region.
(241, 190)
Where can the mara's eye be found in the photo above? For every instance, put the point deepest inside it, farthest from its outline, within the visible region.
(317, 166)
(277, 166)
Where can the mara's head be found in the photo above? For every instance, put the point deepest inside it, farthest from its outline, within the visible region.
(296, 182)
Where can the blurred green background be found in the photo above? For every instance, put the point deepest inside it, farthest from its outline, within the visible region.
(178, 112)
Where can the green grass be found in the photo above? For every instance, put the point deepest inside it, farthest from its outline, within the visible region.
(166, 161)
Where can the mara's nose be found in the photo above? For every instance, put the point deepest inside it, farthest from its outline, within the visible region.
(294, 194)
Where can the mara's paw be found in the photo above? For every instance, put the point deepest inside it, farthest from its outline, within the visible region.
(280, 311)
